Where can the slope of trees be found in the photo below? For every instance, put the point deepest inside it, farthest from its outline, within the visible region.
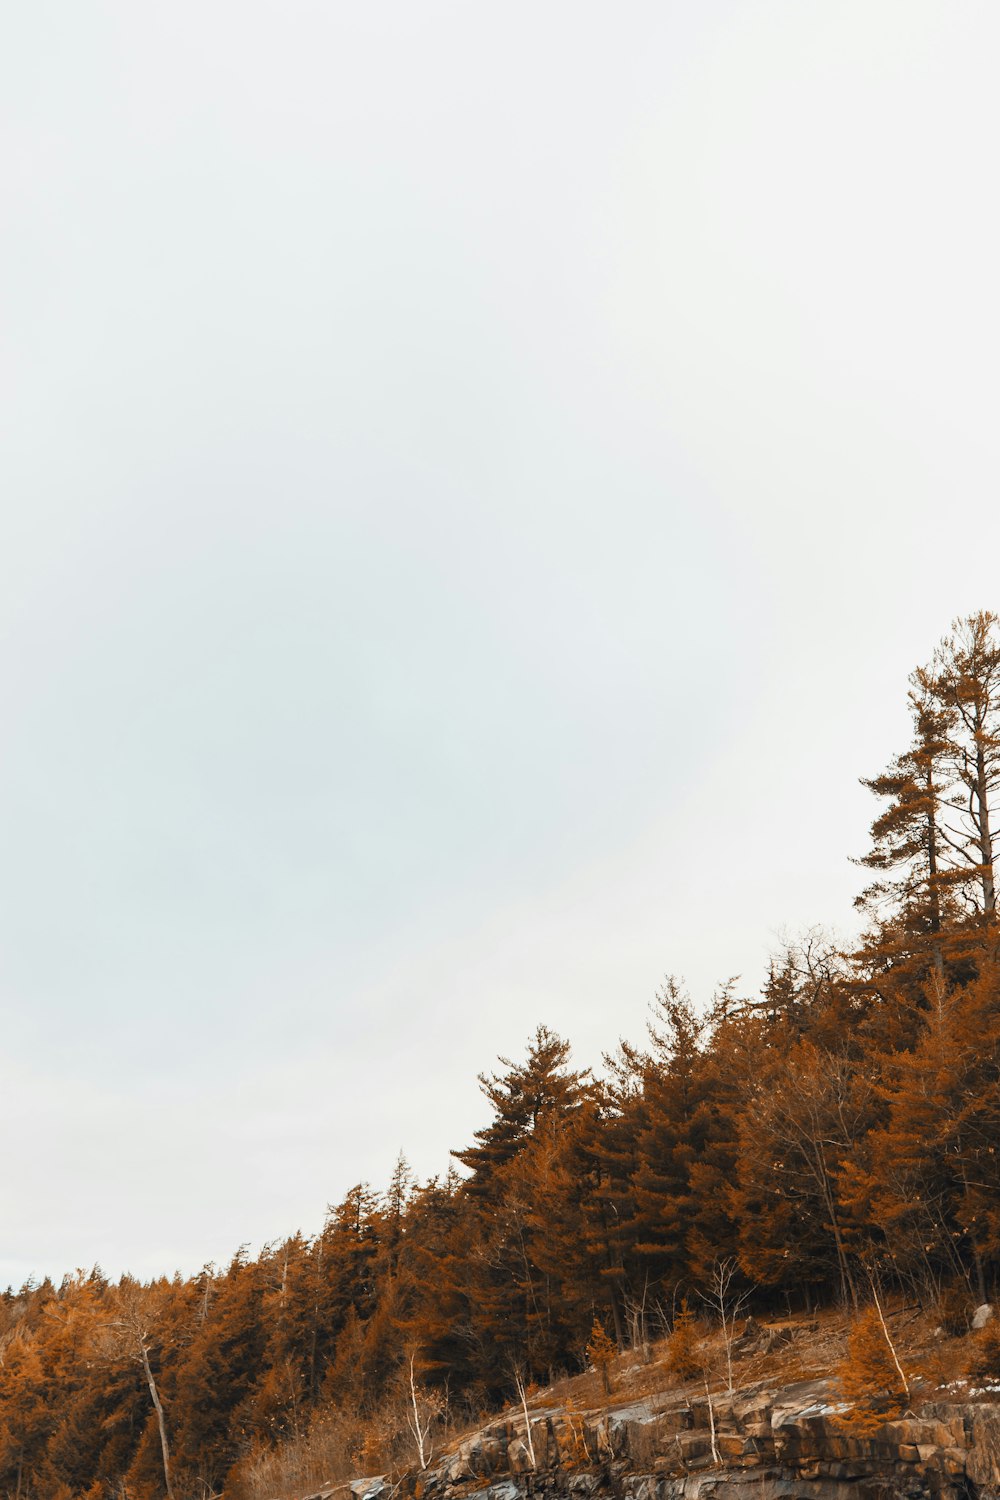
(837, 1132)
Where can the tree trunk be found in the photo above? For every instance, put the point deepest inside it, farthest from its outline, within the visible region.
(846, 1279)
(983, 826)
(934, 895)
(160, 1419)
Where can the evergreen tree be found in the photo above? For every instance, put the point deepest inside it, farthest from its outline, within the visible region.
(868, 1377)
(210, 1394)
(676, 1128)
(913, 896)
(601, 1353)
(683, 1349)
(930, 1182)
(441, 1273)
(608, 1143)
(964, 679)
(543, 1084)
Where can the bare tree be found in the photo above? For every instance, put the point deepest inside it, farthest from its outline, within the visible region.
(132, 1331)
(892, 1348)
(635, 1311)
(808, 1124)
(522, 1396)
(711, 1423)
(727, 1301)
(422, 1411)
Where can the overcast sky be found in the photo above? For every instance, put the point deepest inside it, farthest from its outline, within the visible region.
(474, 481)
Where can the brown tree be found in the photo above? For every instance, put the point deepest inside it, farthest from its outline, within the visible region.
(912, 897)
(964, 680)
(807, 1118)
(869, 1377)
(133, 1324)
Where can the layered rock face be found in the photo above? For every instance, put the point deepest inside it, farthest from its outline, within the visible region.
(787, 1444)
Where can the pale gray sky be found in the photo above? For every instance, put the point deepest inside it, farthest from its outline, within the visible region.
(474, 481)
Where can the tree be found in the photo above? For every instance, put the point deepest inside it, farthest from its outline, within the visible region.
(964, 679)
(396, 1198)
(542, 1085)
(683, 1348)
(25, 1418)
(929, 1184)
(608, 1142)
(544, 1285)
(441, 1273)
(739, 1041)
(869, 1376)
(807, 1118)
(422, 1411)
(601, 1353)
(677, 1124)
(913, 893)
(134, 1321)
(215, 1373)
(727, 1300)
(522, 1396)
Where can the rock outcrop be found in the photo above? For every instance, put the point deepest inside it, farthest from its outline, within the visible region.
(786, 1444)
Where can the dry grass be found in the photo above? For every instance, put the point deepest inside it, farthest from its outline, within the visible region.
(816, 1346)
(340, 1446)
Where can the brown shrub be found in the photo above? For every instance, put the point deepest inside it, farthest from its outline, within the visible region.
(945, 1362)
(984, 1363)
(953, 1309)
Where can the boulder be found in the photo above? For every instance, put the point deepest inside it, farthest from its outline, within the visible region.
(505, 1490)
(982, 1315)
(371, 1488)
(583, 1484)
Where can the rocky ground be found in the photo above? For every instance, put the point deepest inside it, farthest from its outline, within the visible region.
(769, 1440)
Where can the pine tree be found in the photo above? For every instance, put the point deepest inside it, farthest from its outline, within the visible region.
(738, 1040)
(442, 1268)
(601, 1353)
(930, 1187)
(546, 1284)
(543, 1084)
(677, 1125)
(25, 1417)
(609, 1146)
(683, 1348)
(213, 1377)
(868, 1377)
(396, 1198)
(913, 896)
(964, 679)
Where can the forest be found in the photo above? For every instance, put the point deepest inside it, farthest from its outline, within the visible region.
(833, 1136)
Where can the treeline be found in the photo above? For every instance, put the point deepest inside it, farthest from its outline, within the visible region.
(836, 1132)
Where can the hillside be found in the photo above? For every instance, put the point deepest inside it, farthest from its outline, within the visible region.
(825, 1151)
(785, 1428)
